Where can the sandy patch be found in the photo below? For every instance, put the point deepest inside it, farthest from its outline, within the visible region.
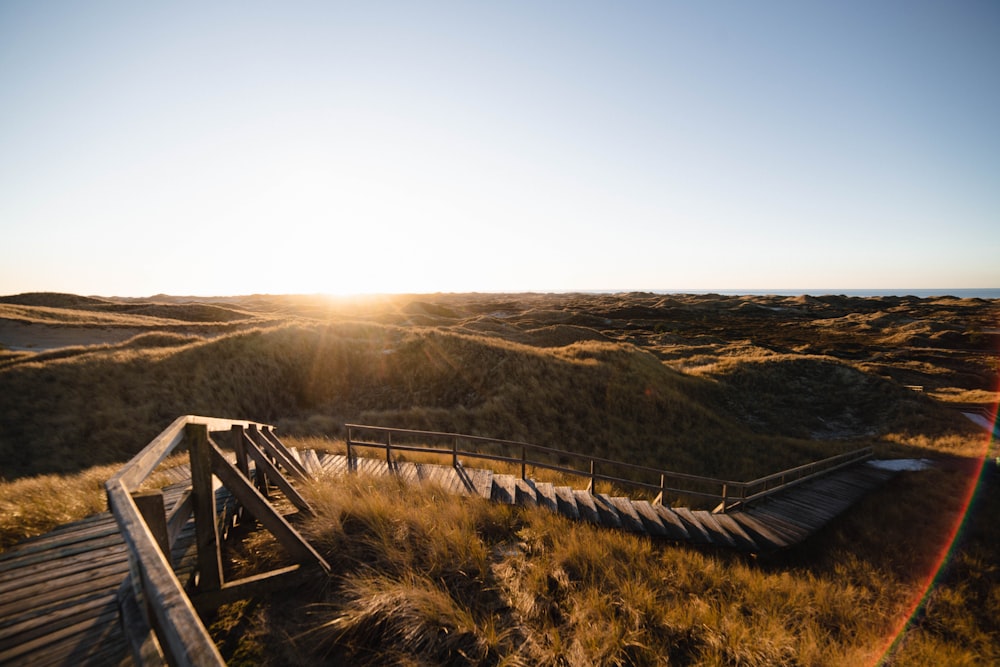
(35, 337)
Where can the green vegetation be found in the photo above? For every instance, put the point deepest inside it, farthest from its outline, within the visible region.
(725, 386)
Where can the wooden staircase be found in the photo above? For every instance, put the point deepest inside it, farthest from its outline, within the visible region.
(65, 596)
(776, 522)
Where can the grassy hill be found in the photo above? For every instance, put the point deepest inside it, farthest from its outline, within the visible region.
(724, 386)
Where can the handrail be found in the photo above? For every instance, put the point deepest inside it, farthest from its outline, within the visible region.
(179, 629)
(739, 492)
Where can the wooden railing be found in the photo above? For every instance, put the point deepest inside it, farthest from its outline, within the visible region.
(160, 618)
(663, 483)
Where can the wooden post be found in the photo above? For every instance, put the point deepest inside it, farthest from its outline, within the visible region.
(658, 500)
(151, 507)
(261, 481)
(388, 450)
(206, 528)
(454, 452)
(350, 465)
(240, 447)
(524, 458)
(592, 487)
(725, 496)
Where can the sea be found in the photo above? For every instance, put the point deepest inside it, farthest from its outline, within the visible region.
(965, 293)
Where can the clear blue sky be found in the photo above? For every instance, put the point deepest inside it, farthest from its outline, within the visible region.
(238, 147)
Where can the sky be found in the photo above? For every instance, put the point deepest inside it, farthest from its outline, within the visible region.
(221, 148)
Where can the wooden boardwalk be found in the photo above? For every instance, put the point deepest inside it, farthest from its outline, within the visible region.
(777, 522)
(59, 591)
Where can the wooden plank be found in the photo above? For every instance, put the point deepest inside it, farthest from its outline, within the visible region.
(61, 552)
(627, 514)
(143, 463)
(545, 494)
(83, 534)
(103, 623)
(71, 566)
(676, 529)
(762, 534)
(265, 438)
(606, 511)
(524, 493)
(791, 532)
(258, 506)
(142, 642)
(153, 510)
(586, 507)
(259, 584)
(206, 528)
(743, 540)
(33, 622)
(334, 463)
(58, 586)
(719, 535)
(650, 519)
(311, 462)
(274, 477)
(567, 502)
(93, 522)
(696, 532)
(504, 489)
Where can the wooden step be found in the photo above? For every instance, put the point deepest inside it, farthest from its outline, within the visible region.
(546, 495)
(696, 532)
(629, 517)
(765, 537)
(567, 502)
(504, 489)
(651, 521)
(606, 511)
(676, 529)
(743, 540)
(720, 536)
(524, 495)
(586, 507)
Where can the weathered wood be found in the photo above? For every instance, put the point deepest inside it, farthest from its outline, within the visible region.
(276, 478)
(259, 584)
(546, 495)
(606, 511)
(585, 505)
(696, 531)
(262, 510)
(269, 443)
(238, 439)
(260, 479)
(567, 502)
(58, 586)
(524, 493)
(627, 514)
(153, 511)
(651, 521)
(206, 527)
(180, 631)
(311, 462)
(718, 534)
(742, 539)
(142, 642)
(504, 489)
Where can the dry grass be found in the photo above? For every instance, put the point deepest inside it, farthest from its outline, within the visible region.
(418, 581)
(723, 386)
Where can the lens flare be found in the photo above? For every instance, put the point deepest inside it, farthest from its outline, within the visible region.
(932, 577)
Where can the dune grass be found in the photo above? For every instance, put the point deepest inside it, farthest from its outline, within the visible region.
(419, 581)
(720, 386)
